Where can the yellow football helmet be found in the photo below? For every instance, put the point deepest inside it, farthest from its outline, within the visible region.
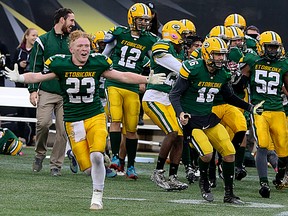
(174, 31)
(97, 38)
(190, 25)
(15, 147)
(211, 46)
(221, 32)
(235, 20)
(270, 45)
(236, 35)
(139, 10)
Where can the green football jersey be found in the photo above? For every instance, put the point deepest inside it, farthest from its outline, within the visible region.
(199, 97)
(129, 53)
(160, 48)
(6, 137)
(266, 81)
(79, 85)
(196, 54)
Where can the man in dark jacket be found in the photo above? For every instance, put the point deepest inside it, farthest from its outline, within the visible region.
(47, 95)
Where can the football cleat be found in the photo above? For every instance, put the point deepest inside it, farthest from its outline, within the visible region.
(96, 201)
(159, 179)
(279, 180)
(175, 184)
(190, 175)
(278, 184)
(213, 183)
(131, 173)
(110, 173)
(264, 191)
(205, 189)
(230, 197)
(73, 161)
(285, 181)
(121, 171)
(197, 173)
(115, 162)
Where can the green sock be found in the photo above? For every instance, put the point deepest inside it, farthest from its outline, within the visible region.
(239, 157)
(131, 148)
(228, 173)
(115, 140)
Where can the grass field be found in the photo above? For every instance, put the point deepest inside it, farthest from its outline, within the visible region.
(26, 193)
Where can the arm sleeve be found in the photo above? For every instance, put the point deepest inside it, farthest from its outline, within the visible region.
(169, 62)
(108, 48)
(175, 94)
(229, 97)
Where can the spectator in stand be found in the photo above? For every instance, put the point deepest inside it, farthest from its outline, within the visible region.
(4, 61)
(21, 57)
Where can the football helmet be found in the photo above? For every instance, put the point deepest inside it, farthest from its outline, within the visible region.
(237, 35)
(221, 32)
(211, 46)
(235, 20)
(139, 10)
(15, 147)
(9, 142)
(190, 25)
(174, 31)
(270, 45)
(98, 43)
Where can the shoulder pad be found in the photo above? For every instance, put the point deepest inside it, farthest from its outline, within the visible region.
(161, 46)
(196, 53)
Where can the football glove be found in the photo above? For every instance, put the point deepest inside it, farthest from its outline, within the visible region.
(258, 108)
(156, 78)
(14, 75)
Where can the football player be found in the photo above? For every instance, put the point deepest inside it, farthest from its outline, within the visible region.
(9, 143)
(238, 20)
(167, 56)
(98, 46)
(266, 73)
(84, 117)
(127, 47)
(192, 98)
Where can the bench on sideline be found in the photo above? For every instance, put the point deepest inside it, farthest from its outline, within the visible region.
(19, 97)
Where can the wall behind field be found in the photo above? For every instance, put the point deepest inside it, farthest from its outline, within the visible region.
(93, 15)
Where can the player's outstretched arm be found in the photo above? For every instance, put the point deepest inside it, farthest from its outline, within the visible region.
(30, 77)
(133, 78)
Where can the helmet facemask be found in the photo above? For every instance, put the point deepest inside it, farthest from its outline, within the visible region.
(215, 61)
(272, 51)
(141, 23)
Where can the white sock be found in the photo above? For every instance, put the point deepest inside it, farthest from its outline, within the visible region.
(97, 170)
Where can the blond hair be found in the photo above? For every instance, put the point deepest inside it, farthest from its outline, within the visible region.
(26, 33)
(78, 34)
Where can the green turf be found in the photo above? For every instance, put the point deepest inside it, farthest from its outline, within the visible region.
(27, 193)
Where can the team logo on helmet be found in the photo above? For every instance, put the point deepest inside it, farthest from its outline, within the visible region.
(206, 44)
(133, 8)
(176, 27)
